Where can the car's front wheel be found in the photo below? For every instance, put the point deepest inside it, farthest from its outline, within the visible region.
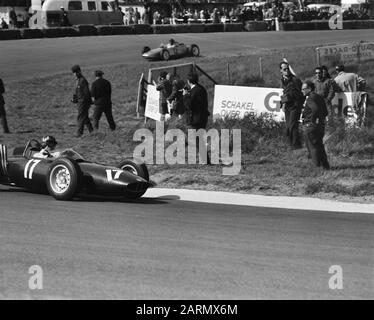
(137, 168)
(64, 179)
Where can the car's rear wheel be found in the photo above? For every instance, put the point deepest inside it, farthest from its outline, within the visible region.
(165, 55)
(137, 168)
(64, 179)
(195, 50)
(146, 49)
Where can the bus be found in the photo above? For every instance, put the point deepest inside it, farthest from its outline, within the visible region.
(47, 13)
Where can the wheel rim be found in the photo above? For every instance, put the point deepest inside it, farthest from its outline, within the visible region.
(60, 179)
(166, 55)
(195, 51)
(130, 168)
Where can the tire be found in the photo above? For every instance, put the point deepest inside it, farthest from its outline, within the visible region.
(70, 179)
(146, 49)
(195, 50)
(138, 168)
(165, 55)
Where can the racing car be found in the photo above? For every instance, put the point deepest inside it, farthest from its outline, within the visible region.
(69, 175)
(170, 50)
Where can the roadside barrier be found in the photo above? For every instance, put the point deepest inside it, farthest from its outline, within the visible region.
(91, 30)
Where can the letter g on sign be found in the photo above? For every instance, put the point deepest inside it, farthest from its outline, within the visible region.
(275, 103)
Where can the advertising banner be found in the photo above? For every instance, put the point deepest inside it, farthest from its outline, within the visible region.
(346, 52)
(152, 106)
(237, 101)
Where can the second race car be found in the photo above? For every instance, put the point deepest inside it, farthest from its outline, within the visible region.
(171, 50)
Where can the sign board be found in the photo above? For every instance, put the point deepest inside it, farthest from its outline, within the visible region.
(152, 105)
(238, 101)
(346, 52)
(179, 71)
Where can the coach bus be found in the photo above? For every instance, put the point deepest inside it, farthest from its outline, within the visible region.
(47, 13)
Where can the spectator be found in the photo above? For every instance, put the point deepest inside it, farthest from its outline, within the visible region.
(324, 87)
(3, 24)
(196, 104)
(25, 18)
(291, 103)
(83, 99)
(3, 119)
(136, 16)
(101, 92)
(13, 18)
(164, 86)
(314, 125)
(348, 81)
(64, 20)
(176, 98)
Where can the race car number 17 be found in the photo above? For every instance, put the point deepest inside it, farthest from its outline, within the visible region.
(29, 168)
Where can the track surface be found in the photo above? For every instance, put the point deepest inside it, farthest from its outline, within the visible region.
(165, 248)
(25, 59)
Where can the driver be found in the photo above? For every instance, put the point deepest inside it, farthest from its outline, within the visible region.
(49, 144)
(171, 43)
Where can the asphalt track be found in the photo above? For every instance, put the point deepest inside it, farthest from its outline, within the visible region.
(25, 59)
(163, 247)
(166, 248)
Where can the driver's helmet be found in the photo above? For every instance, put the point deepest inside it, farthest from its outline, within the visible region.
(171, 42)
(49, 141)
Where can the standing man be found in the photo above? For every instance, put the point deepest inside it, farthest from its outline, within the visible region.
(83, 99)
(348, 81)
(325, 88)
(196, 104)
(64, 20)
(101, 92)
(3, 120)
(165, 88)
(291, 102)
(314, 125)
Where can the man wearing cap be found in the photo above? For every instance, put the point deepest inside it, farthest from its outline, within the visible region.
(83, 99)
(101, 92)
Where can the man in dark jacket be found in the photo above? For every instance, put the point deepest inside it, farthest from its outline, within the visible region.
(291, 102)
(324, 86)
(165, 88)
(83, 99)
(3, 120)
(314, 115)
(64, 20)
(196, 103)
(101, 92)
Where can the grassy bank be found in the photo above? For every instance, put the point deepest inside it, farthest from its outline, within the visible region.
(42, 106)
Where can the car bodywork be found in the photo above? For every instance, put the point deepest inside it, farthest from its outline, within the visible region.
(70, 174)
(166, 52)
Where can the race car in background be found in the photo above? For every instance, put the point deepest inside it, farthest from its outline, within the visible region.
(70, 174)
(169, 51)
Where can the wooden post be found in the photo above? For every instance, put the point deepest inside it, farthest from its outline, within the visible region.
(318, 58)
(228, 73)
(260, 66)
